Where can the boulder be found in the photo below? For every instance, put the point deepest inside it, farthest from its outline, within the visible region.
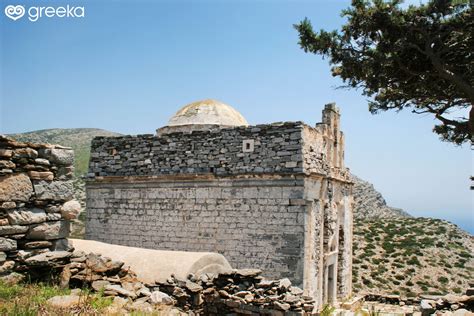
(16, 187)
(120, 290)
(7, 266)
(101, 265)
(55, 190)
(3, 257)
(285, 283)
(49, 230)
(65, 301)
(160, 298)
(70, 209)
(100, 285)
(12, 278)
(26, 216)
(48, 258)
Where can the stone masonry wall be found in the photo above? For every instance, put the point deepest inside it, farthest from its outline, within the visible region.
(35, 200)
(274, 148)
(253, 222)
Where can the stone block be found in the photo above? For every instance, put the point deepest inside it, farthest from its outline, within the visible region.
(26, 216)
(7, 244)
(6, 153)
(41, 175)
(55, 190)
(12, 230)
(25, 153)
(16, 187)
(49, 230)
(7, 205)
(58, 155)
(7, 164)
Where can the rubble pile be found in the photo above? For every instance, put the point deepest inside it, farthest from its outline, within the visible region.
(240, 291)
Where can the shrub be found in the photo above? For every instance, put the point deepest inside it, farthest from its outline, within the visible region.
(443, 280)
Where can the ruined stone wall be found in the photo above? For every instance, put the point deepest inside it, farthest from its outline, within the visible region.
(35, 200)
(253, 222)
(260, 149)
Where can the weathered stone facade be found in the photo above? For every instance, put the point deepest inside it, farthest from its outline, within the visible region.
(276, 197)
(36, 204)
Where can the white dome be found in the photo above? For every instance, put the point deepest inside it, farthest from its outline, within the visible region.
(207, 112)
(203, 116)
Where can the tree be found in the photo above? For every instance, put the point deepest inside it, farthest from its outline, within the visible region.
(420, 57)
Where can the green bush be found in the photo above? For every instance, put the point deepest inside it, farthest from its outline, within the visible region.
(443, 280)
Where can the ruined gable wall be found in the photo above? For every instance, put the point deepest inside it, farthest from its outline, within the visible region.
(253, 222)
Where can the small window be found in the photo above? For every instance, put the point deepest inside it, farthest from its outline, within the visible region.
(248, 145)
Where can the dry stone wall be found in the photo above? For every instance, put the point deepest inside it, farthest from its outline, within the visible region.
(36, 201)
(274, 148)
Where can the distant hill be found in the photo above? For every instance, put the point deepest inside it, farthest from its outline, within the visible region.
(370, 204)
(78, 139)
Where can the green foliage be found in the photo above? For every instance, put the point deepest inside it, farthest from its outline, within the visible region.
(418, 58)
(327, 310)
(7, 292)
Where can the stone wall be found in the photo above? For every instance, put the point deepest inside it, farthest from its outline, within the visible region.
(275, 148)
(35, 200)
(254, 222)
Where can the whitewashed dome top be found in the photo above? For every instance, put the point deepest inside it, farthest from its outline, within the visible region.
(208, 112)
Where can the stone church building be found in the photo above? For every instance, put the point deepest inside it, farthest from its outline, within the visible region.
(272, 196)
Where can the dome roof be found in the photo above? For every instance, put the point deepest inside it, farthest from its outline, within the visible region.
(207, 112)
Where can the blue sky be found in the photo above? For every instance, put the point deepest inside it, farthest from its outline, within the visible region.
(127, 66)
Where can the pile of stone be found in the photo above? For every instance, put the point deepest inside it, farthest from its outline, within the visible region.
(36, 205)
(425, 304)
(240, 291)
(431, 304)
(113, 279)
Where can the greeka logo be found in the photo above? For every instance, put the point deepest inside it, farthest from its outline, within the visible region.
(15, 12)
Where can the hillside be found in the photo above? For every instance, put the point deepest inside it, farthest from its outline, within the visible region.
(395, 253)
(410, 256)
(78, 139)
